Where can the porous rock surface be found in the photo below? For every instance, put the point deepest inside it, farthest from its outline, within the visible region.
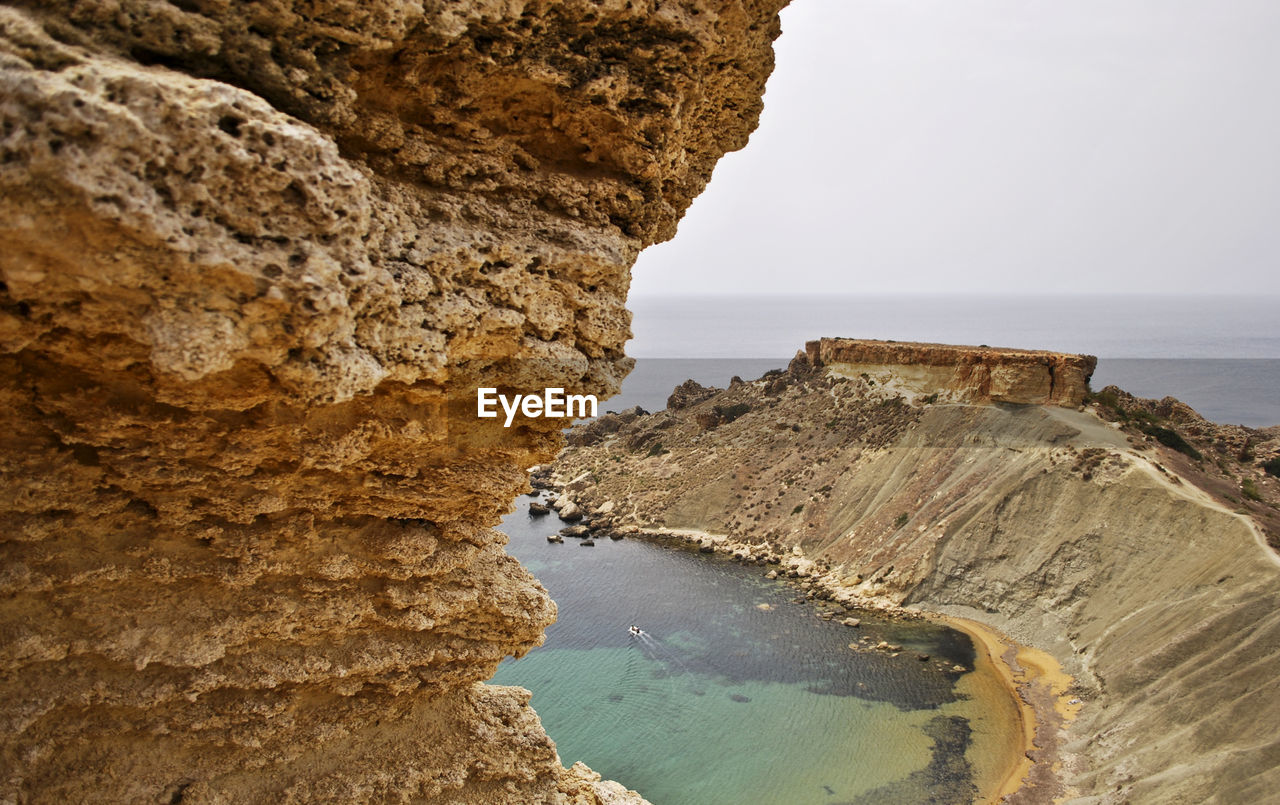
(256, 258)
(962, 374)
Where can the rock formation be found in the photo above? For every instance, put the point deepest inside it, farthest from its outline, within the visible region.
(962, 374)
(256, 258)
(1142, 569)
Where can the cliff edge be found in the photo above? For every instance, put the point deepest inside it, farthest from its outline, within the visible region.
(257, 257)
(962, 374)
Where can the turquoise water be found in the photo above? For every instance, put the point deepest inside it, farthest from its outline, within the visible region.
(738, 693)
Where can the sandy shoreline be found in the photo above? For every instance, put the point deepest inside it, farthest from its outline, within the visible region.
(1039, 688)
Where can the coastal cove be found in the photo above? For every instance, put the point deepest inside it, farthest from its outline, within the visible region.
(1069, 539)
(740, 690)
(397, 411)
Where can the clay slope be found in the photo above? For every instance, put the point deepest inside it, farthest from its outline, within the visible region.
(257, 256)
(1050, 524)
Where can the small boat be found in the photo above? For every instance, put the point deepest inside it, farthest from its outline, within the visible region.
(636, 631)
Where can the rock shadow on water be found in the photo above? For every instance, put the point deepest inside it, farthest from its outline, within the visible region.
(870, 675)
(947, 780)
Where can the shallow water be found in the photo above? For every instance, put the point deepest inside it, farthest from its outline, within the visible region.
(737, 693)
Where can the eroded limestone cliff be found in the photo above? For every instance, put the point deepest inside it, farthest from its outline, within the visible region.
(962, 374)
(1137, 565)
(255, 257)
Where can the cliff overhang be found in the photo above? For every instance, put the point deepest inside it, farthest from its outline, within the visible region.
(257, 257)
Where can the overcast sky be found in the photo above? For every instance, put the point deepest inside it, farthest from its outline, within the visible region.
(1023, 146)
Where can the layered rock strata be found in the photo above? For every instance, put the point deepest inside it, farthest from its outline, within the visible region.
(962, 374)
(1123, 558)
(256, 259)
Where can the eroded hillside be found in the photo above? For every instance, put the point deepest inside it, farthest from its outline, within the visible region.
(1088, 538)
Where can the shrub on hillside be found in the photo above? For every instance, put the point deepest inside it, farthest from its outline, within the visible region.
(1171, 438)
(728, 413)
(1107, 399)
(1250, 490)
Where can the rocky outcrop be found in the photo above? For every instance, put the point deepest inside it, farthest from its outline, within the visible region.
(1088, 539)
(688, 393)
(601, 427)
(256, 259)
(962, 374)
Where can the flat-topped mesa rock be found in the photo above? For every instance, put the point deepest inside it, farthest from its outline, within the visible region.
(255, 258)
(961, 373)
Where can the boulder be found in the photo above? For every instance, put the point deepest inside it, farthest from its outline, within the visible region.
(571, 512)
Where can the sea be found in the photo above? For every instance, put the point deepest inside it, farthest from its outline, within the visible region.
(1218, 354)
(737, 692)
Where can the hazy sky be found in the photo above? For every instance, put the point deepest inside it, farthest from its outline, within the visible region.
(1000, 145)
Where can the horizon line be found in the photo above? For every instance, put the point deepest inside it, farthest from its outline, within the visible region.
(978, 294)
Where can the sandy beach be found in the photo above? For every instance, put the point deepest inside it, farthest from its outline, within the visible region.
(1040, 689)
